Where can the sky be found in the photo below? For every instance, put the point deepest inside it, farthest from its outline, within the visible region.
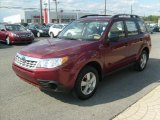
(140, 7)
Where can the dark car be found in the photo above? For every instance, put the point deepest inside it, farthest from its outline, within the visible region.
(84, 52)
(155, 28)
(38, 30)
(14, 33)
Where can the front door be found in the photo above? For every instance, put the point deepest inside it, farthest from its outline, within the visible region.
(116, 50)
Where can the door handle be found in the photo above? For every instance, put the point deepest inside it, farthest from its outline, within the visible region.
(141, 39)
(126, 44)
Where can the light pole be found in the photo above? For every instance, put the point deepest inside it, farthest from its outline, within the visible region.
(105, 8)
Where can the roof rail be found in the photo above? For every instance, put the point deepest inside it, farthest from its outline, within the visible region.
(92, 15)
(125, 15)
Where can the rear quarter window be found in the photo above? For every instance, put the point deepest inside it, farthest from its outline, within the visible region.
(142, 26)
(131, 28)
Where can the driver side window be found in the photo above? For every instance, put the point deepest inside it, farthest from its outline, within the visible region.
(117, 31)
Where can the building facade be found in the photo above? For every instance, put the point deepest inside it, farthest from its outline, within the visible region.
(34, 17)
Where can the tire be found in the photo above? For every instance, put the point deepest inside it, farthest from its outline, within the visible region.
(8, 41)
(38, 34)
(51, 35)
(69, 35)
(84, 87)
(142, 62)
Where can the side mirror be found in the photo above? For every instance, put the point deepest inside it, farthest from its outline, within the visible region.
(3, 30)
(113, 38)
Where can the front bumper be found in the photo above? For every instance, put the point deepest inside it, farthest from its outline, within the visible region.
(44, 34)
(54, 80)
(22, 40)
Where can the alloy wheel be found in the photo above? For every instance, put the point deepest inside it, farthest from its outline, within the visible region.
(88, 83)
(143, 60)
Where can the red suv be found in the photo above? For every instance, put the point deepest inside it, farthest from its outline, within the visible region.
(84, 52)
(13, 33)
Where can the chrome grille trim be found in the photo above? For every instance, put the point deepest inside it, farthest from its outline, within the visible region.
(25, 61)
(25, 35)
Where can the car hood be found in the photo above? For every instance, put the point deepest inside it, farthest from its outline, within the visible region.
(20, 32)
(51, 48)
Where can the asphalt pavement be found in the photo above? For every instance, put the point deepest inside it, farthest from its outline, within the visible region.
(21, 101)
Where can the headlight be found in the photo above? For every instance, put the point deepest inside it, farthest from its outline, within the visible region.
(13, 34)
(41, 31)
(51, 63)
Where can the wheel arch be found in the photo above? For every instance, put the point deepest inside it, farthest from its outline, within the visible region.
(147, 50)
(96, 65)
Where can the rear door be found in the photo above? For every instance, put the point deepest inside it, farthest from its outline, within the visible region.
(135, 39)
(116, 52)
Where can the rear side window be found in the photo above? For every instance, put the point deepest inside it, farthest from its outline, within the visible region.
(142, 26)
(132, 28)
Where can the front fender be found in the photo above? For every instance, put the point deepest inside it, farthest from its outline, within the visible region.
(83, 59)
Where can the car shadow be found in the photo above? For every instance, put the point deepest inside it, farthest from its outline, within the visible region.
(25, 44)
(4, 46)
(119, 85)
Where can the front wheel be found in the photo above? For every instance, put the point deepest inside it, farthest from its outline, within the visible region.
(51, 35)
(142, 62)
(86, 83)
(38, 34)
(8, 41)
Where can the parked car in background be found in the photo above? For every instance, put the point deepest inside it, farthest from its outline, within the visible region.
(38, 30)
(155, 28)
(56, 29)
(49, 25)
(24, 24)
(98, 46)
(14, 33)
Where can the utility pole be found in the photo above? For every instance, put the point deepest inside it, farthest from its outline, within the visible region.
(105, 8)
(131, 10)
(56, 9)
(41, 21)
(132, 3)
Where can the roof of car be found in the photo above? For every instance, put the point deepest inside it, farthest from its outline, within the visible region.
(108, 17)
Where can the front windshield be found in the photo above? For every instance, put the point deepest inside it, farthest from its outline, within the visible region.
(84, 30)
(14, 28)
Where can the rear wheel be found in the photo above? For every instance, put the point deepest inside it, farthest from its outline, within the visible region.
(86, 83)
(142, 62)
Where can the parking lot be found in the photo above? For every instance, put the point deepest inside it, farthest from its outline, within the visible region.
(118, 91)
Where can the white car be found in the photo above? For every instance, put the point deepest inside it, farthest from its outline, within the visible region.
(55, 29)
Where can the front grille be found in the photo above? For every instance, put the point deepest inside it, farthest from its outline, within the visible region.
(25, 35)
(25, 61)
